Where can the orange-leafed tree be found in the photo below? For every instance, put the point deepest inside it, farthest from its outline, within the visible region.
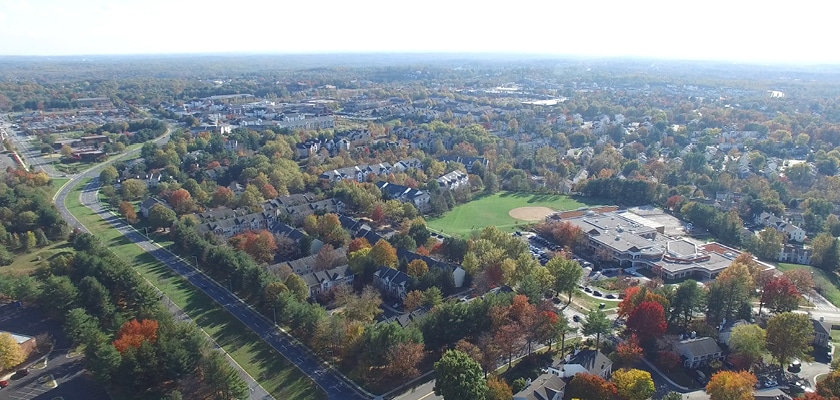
(127, 211)
(268, 191)
(730, 385)
(383, 254)
(181, 201)
(222, 197)
(590, 386)
(133, 333)
(259, 245)
(628, 352)
(357, 244)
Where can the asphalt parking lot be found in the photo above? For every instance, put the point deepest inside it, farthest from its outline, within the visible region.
(66, 373)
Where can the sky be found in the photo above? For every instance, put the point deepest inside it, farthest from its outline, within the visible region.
(800, 32)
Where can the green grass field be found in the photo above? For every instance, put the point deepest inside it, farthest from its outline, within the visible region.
(493, 210)
(825, 283)
(282, 379)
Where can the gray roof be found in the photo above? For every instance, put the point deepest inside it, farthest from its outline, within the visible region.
(545, 387)
(700, 346)
(821, 327)
(594, 361)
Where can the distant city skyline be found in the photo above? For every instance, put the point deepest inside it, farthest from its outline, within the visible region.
(740, 31)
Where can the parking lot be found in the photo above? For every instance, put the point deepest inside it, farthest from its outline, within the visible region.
(52, 376)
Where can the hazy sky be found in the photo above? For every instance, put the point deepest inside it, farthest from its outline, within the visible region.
(740, 30)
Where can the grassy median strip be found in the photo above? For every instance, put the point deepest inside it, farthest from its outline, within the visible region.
(277, 375)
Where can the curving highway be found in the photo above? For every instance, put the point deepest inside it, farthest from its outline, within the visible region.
(332, 382)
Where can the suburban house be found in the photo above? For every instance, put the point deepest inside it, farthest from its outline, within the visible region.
(697, 352)
(545, 387)
(453, 180)
(324, 281)
(822, 333)
(791, 231)
(583, 361)
(726, 330)
(391, 282)
(795, 254)
(405, 194)
(466, 161)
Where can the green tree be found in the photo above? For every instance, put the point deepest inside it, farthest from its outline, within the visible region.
(63, 296)
(825, 252)
(161, 216)
(223, 380)
(95, 298)
(297, 286)
(749, 341)
(11, 354)
(133, 189)
(596, 324)
(767, 244)
(567, 274)
(30, 242)
(432, 297)
(688, 300)
(108, 175)
(80, 327)
(633, 384)
(789, 336)
(459, 377)
(673, 396)
(102, 360)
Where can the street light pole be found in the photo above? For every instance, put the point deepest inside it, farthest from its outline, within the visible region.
(196, 261)
(274, 311)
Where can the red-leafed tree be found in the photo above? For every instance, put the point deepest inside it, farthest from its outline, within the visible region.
(780, 295)
(259, 244)
(358, 244)
(378, 215)
(181, 201)
(133, 333)
(590, 386)
(648, 320)
(673, 201)
(668, 359)
(509, 340)
(629, 352)
(635, 295)
(801, 279)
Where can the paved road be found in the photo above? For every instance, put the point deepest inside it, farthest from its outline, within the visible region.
(31, 155)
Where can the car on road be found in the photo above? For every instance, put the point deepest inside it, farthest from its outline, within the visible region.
(795, 366)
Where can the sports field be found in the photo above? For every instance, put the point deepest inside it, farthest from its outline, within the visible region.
(500, 209)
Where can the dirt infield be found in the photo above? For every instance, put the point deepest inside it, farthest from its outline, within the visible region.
(530, 213)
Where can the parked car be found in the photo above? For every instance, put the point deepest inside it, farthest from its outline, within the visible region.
(597, 293)
(587, 289)
(576, 318)
(22, 372)
(795, 366)
(4, 384)
(610, 296)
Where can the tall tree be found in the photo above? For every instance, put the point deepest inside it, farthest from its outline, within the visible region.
(224, 381)
(403, 359)
(297, 286)
(383, 254)
(729, 385)
(729, 293)
(767, 244)
(567, 274)
(688, 300)
(161, 217)
(80, 327)
(596, 324)
(459, 377)
(633, 384)
(748, 341)
(133, 189)
(789, 336)
(648, 321)
(509, 339)
(417, 268)
(108, 175)
(825, 252)
(780, 295)
(498, 389)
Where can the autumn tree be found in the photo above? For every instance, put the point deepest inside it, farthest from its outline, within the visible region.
(829, 387)
(330, 231)
(825, 252)
(133, 333)
(417, 268)
(498, 389)
(730, 385)
(297, 286)
(402, 360)
(11, 354)
(459, 377)
(181, 201)
(383, 254)
(789, 336)
(357, 244)
(729, 294)
(509, 339)
(133, 189)
(801, 279)
(222, 197)
(628, 353)
(364, 307)
(260, 244)
(127, 211)
(633, 384)
(780, 295)
(647, 320)
(767, 244)
(590, 387)
(748, 341)
(326, 258)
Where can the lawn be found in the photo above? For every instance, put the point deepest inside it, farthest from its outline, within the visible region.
(26, 263)
(825, 283)
(281, 378)
(493, 210)
(55, 184)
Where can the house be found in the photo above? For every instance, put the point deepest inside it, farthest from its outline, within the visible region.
(391, 282)
(324, 281)
(793, 232)
(795, 254)
(697, 352)
(453, 180)
(147, 205)
(405, 194)
(726, 330)
(583, 361)
(545, 387)
(822, 333)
